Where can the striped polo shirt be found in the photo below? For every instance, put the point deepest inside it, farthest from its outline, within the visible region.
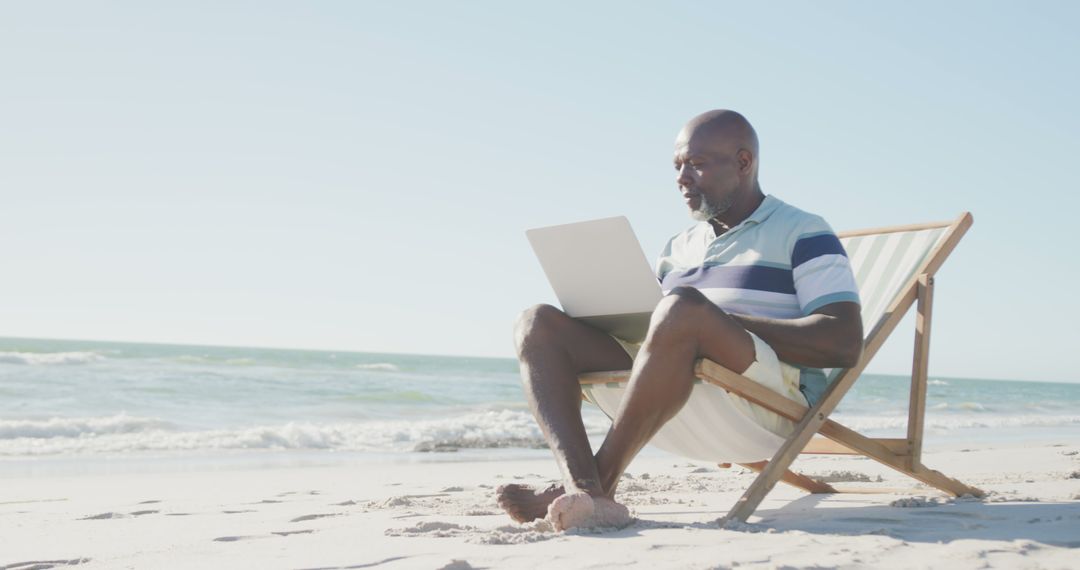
(780, 262)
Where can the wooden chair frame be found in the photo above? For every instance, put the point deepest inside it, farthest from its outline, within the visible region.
(902, 454)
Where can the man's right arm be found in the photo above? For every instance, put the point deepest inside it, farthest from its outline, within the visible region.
(830, 337)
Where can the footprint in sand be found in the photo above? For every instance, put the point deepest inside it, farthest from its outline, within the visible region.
(259, 536)
(237, 538)
(315, 516)
(288, 532)
(458, 565)
(101, 517)
(43, 564)
(362, 565)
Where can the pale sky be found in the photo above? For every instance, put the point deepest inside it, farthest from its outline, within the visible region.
(359, 175)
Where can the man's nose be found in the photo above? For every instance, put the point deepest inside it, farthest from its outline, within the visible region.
(683, 177)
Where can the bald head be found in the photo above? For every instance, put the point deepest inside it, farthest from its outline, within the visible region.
(723, 128)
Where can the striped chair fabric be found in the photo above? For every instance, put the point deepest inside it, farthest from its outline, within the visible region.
(883, 264)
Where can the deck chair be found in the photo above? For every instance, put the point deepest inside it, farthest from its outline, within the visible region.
(894, 268)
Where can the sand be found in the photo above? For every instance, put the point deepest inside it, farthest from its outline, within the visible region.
(443, 515)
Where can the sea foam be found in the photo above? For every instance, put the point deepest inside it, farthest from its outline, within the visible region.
(78, 427)
(40, 358)
(122, 433)
(379, 366)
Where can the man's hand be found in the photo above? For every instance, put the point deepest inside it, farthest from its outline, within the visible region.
(830, 337)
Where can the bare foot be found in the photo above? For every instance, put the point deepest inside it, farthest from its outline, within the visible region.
(609, 513)
(582, 510)
(570, 510)
(525, 504)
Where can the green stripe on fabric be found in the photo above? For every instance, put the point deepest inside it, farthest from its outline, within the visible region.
(916, 252)
(840, 297)
(876, 245)
(880, 292)
(892, 267)
(851, 245)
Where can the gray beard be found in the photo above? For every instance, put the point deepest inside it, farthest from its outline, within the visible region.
(709, 210)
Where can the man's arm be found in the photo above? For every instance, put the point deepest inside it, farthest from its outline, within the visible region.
(830, 337)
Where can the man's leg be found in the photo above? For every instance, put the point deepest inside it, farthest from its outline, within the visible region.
(553, 350)
(684, 327)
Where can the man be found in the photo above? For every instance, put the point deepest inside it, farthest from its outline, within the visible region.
(757, 286)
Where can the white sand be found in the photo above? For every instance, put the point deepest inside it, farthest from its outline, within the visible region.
(443, 515)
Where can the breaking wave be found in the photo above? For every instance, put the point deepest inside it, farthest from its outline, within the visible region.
(78, 427)
(41, 358)
(122, 434)
(379, 366)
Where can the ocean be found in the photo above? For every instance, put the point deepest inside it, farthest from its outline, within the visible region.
(87, 406)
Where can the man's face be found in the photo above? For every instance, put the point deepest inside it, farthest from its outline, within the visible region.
(708, 176)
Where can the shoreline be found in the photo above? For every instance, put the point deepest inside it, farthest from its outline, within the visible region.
(263, 458)
(259, 459)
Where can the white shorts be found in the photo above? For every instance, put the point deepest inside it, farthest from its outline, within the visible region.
(767, 370)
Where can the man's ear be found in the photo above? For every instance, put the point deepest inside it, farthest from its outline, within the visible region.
(745, 160)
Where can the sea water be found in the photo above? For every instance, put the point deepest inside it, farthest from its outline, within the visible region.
(72, 404)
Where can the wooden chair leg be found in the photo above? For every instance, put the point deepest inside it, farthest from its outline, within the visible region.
(794, 479)
(943, 482)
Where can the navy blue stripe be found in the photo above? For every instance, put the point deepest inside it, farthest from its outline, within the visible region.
(755, 277)
(816, 246)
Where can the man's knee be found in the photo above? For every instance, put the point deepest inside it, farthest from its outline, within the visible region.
(679, 304)
(678, 313)
(536, 323)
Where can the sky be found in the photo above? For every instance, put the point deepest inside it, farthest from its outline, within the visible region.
(359, 175)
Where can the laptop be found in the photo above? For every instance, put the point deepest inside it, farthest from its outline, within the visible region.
(600, 274)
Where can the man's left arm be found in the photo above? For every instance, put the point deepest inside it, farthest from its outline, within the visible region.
(830, 337)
